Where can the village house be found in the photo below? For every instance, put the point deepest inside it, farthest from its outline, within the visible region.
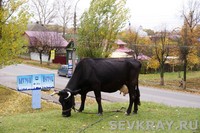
(42, 41)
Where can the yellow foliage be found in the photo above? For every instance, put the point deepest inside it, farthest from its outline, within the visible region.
(153, 63)
(14, 18)
(193, 58)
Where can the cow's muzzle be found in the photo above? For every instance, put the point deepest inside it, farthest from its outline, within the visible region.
(66, 113)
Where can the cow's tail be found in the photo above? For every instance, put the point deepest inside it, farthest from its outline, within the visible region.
(137, 87)
(138, 95)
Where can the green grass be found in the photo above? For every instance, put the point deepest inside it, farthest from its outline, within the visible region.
(37, 63)
(53, 122)
(49, 119)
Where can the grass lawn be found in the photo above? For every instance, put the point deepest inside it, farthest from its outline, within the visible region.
(37, 63)
(17, 116)
(172, 81)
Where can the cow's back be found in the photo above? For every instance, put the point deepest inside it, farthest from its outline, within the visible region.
(110, 73)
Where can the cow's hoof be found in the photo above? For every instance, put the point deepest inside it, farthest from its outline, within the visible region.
(80, 111)
(66, 115)
(134, 112)
(99, 114)
(127, 114)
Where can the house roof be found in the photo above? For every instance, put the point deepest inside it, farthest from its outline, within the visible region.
(49, 38)
(143, 57)
(120, 42)
(36, 27)
(124, 50)
(119, 55)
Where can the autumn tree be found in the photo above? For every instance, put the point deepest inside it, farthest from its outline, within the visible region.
(161, 51)
(136, 42)
(197, 31)
(13, 23)
(149, 32)
(99, 27)
(191, 16)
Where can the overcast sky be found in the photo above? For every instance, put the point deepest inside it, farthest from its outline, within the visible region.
(152, 14)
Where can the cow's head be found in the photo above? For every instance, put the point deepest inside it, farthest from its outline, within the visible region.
(67, 101)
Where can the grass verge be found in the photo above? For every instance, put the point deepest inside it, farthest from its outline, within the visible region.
(172, 81)
(152, 118)
(37, 63)
(13, 102)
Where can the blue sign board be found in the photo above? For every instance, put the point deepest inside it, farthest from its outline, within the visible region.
(36, 99)
(47, 81)
(35, 82)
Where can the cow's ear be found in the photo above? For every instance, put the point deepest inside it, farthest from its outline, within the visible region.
(62, 92)
(75, 92)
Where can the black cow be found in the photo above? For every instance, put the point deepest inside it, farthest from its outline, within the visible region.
(106, 75)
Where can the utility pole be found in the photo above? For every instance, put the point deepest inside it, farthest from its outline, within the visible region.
(74, 54)
(75, 17)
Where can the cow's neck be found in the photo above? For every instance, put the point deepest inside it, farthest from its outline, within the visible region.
(73, 84)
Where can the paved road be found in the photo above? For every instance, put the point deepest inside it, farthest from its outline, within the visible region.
(9, 73)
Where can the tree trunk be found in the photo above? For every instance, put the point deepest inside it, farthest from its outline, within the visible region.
(64, 28)
(49, 58)
(40, 54)
(162, 74)
(184, 72)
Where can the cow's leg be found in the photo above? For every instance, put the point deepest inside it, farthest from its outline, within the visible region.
(135, 105)
(98, 99)
(83, 97)
(131, 98)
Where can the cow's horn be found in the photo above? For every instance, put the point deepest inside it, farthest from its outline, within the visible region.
(69, 94)
(54, 93)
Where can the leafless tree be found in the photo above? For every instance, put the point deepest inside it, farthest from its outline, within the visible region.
(44, 11)
(45, 41)
(64, 12)
(39, 46)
